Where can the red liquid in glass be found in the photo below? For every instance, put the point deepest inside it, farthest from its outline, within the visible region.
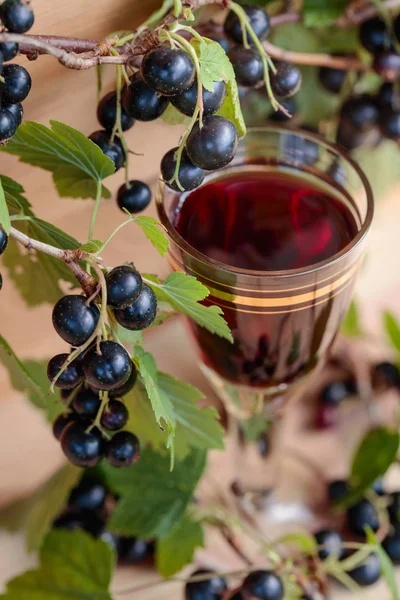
(266, 221)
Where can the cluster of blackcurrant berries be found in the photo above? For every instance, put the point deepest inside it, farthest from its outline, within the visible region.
(3, 246)
(258, 585)
(17, 17)
(100, 368)
(89, 507)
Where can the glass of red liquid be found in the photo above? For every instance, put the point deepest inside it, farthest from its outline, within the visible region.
(278, 237)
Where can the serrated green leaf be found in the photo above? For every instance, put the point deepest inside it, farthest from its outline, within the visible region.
(253, 427)
(4, 214)
(231, 108)
(14, 193)
(152, 499)
(176, 549)
(319, 13)
(141, 419)
(92, 246)
(134, 338)
(76, 163)
(214, 63)
(351, 326)
(172, 116)
(164, 312)
(304, 541)
(392, 329)
(73, 565)
(386, 564)
(152, 229)
(184, 292)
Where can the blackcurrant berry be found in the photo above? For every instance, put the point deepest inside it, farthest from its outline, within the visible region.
(1, 63)
(220, 39)
(124, 285)
(167, 70)
(334, 393)
(115, 415)
(65, 394)
(396, 27)
(8, 125)
(375, 36)
(378, 487)
(123, 449)
(61, 423)
(74, 520)
(386, 96)
(3, 240)
(17, 84)
(82, 448)
(1, 281)
(394, 508)
(247, 65)
(141, 313)
(109, 369)
(206, 589)
(71, 376)
(350, 137)
(113, 150)
(214, 145)
(391, 544)
(279, 116)
(361, 112)
(86, 403)
(332, 79)
(132, 551)
(107, 113)
(17, 16)
(190, 176)
(337, 490)
(332, 543)
(367, 573)
(389, 121)
(186, 102)
(90, 494)
(9, 50)
(386, 375)
(141, 102)
(263, 585)
(286, 81)
(16, 110)
(360, 515)
(387, 65)
(134, 198)
(259, 21)
(75, 320)
(125, 388)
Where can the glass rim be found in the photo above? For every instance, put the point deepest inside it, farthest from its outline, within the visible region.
(253, 273)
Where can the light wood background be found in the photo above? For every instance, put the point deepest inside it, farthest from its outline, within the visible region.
(28, 453)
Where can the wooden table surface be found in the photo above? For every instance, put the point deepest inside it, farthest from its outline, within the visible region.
(28, 452)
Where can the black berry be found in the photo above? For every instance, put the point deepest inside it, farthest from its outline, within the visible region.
(86, 403)
(389, 121)
(141, 313)
(17, 84)
(387, 65)
(190, 176)
(82, 448)
(3, 240)
(337, 490)
(332, 542)
(386, 375)
(141, 102)
(8, 125)
(123, 449)
(70, 377)
(391, 544)
(367, 573)
(1, 281)
(279, 115)
(386, 95)
(247, 65)
(186, 102)
(115, 415)
(263, 585)
(126, 387)
(90, 494)
(9, 50)
(214, 145)
(61, 423)
(332, 79)
(259, 21)
(207, 589)
(16, 110)
(73, 520)
(360, 515)
(124, 285)
(286, 81)
(350, 137)
(375, 36)
(394, 508)
(112, 149)
(107, 113)
(335, 393)
(168, 71)
(17, 16)
(361, 112)
(74, 320)
(134, 198)
(132, 551)
(109, 369)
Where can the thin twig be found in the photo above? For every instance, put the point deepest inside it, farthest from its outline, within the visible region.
(346, 63)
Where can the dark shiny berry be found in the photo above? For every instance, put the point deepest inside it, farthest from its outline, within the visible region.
(389, 121)
(90, 494)
(8, 125)
(367, 573)
(82, 448)
(220, 39)
(378, 487)
(17, 84)
(337, 490)
(167, 70)
(1, 63)
(123, 449)
(124, 285)
(186, 102)
(107, 113)
(247, 65)
(375, 36)
(385, 96)
(113, 150)
(1, 281)
(109, 369)
(190, 176)
(17, 16)
(71, 376)
(332, 543)
(387, 65)
(332, 79)
(361, 112)
(391, 544)
(16, 110)
(141, 102)
(386, 375)
(3, 240)
(279, 115)
(86, 403)
(126, 387)
(75, 520)
(263, 585)
(9, 50)
(360, 515)
(134, 198)
(335, 393)
(133, 551)
(115, 415)
(61, 423)
(350, 137)
(394, 507)
(74, 320)
(141, 313)
(259, 21)
(206, 589)
(286, 81)
(214, 145)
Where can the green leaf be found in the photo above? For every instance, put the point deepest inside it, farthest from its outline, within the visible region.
(152, 229)
(184, 292)
(319, 13)
(253, 427)
(231, 108)
(214, 62)
(4, 214)
(14, 193)
(172, 116)
(386, 564)
(351, 326)
(76, 163)
(304, 541)
(141, 419)
(73, 565)
(381, 165)
(164, 312)
(37, 513)
(134, 338)
(176, 549)
(92, 247)
(152, 498)
(392, 329)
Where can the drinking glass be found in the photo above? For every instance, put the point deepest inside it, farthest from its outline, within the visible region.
(283, 322)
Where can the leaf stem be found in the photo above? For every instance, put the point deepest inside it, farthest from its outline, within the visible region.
(177, 8)
(99, 189)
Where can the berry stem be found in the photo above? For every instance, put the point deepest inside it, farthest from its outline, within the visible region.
(118, 121)
(177, 8)
(99, 190)
(103, 404)
(179, 152)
